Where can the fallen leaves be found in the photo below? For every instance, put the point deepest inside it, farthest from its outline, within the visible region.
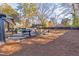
(14, 46)
(44, 39)
(9, 48)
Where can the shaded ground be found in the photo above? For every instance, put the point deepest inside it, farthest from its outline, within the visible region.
(67, 44)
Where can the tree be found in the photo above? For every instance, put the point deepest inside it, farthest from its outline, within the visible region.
(75, 15)
(66, 22)
(28, 10)
(9, 11)
(45, 11)
(64, 10)
(72, 9)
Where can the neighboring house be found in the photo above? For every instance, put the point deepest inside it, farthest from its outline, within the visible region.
(51, 24)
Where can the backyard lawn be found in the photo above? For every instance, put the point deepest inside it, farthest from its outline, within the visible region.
(39, 29)
(13, 46)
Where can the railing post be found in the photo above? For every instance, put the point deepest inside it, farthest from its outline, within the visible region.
(2, 30)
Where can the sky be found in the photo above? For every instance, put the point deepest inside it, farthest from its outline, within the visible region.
(14, 5)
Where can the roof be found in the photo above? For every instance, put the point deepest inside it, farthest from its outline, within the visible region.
(2, 15)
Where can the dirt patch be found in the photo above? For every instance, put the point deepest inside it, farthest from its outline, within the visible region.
(10, 48)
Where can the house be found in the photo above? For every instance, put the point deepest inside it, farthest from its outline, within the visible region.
(50, 23)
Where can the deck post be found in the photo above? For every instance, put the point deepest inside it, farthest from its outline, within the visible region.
(2, 30)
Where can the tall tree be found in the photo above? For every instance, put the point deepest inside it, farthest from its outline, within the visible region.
(72, 9)
(75, 15)
(65, 9)
(45, 11)
(28, 10)
(9, 11)
(65, 22)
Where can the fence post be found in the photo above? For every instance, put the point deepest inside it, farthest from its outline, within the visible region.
(2, 30)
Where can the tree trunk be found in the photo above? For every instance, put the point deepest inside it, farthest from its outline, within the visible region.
(75, 16)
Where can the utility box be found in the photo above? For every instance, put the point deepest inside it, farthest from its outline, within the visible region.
(2, 29)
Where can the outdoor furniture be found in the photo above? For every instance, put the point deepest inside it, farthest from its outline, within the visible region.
(23, 34)
(27, 32)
